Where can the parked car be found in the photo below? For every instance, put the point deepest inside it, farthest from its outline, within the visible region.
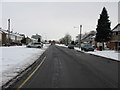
(87, 47)
(35, 45)
(70, 46)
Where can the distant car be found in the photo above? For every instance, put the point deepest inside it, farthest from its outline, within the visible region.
(35, 45)
(70, 46)
(87, 47)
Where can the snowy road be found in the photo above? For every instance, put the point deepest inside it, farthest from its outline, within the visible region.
(67, 68)
(16, 58)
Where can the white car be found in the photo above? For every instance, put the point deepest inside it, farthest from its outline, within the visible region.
(35, 45)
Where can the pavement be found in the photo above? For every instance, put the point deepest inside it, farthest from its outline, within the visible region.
(67, 68)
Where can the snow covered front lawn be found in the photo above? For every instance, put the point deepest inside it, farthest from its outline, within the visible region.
(105, 53)
(62, 45)
(15, 59)
(111, 54)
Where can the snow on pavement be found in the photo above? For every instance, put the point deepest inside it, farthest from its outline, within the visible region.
(111, 54)
(105, 53)
(62, 45)
(15, 59)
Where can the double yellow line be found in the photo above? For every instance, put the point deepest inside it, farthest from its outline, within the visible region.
(31, 74)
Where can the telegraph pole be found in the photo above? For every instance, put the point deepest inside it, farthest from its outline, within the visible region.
(8, 31)
(9, 25)
(80, 27)
(79, 35)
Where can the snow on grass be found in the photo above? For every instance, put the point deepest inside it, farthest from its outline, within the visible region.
(105, 53)
(111, 54)
(62, 45)
(17, 58)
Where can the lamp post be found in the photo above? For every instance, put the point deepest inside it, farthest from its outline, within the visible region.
(80, 27)
(8, 24)
(8, 32)
(79, 35)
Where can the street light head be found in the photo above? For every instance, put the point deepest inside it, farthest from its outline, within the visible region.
(75, 27)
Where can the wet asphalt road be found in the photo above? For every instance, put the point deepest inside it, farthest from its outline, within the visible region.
(67, 68)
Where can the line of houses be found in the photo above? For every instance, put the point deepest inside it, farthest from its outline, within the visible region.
(115, 41)
(8, 38)
(113, 44)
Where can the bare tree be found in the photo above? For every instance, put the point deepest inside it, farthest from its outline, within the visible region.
(66, 39)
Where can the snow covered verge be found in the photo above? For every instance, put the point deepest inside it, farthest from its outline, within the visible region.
(62, 45)
(14, 59)
(111, 54)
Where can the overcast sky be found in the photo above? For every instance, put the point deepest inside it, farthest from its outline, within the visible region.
(53, 20)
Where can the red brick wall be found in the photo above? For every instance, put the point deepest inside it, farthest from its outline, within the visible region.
(112, 45)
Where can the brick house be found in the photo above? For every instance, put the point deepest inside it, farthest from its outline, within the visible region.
(8, 37)
(15, 38)
(114, 44)
(89, 38)
(28, 40)
(4, 36)
(37, 36)
(0, 38)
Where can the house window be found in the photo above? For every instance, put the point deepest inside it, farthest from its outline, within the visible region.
(118, 33)
(114, 33)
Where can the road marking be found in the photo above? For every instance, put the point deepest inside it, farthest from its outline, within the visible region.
(31, 74)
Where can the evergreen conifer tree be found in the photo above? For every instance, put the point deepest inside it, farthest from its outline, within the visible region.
(103, 28)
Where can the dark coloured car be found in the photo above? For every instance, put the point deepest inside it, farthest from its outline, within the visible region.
(71, 46)
(87, 47)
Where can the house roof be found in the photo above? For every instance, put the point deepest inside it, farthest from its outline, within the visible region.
(116, 28)
(14, 34)
(11, 33)
(36, 36)
(1, 31)
(33, 39)
(4, 31)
